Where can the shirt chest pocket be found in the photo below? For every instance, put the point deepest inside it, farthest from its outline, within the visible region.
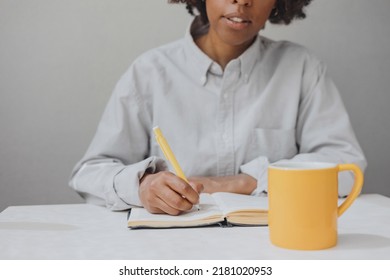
(275, 144)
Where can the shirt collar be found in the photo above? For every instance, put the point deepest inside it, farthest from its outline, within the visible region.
(249, 58)
(202, 63)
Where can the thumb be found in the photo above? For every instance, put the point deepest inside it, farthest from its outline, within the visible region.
(198, 187)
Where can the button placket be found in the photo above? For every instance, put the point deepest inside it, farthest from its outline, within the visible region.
(225, 125)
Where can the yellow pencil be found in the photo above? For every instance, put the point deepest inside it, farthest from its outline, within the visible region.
(169, 154)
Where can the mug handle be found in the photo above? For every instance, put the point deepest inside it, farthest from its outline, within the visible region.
(356, 189)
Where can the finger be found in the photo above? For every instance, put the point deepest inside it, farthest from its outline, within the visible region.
(150, 191)
(197, 186)
(173, 192)
(165, 207)
(175, 200)
(184, 189)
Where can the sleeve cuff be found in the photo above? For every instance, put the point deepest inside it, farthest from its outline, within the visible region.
(258, 169)
(126, 182)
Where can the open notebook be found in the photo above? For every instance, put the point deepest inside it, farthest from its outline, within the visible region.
(225, 209)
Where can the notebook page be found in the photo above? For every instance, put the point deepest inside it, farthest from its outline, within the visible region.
(207, 206)
(230, 202)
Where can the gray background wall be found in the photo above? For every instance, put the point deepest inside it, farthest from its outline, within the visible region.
(59, 61)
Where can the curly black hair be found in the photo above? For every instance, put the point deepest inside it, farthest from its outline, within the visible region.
(284, 12)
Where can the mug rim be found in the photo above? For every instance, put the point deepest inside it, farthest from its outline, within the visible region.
(302, 165)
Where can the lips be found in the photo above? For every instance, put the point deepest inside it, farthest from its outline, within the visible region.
(237, 21)
(237, 18)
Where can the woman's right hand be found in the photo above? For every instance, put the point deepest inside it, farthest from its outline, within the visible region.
(164, 192)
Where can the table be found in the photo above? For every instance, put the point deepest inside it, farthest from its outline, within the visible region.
(83, 231)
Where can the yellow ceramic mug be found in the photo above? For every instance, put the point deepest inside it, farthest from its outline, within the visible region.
(303, 203)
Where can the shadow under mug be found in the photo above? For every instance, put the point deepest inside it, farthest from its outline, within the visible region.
(303, 203)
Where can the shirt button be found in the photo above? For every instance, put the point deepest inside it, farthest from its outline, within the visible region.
(225, 96)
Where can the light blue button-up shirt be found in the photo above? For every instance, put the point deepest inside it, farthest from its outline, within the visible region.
(275, 102)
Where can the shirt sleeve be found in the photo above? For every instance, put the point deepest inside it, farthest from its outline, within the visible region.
(118, 155)
(323, 132)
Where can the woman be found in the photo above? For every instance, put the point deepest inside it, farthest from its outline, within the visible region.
(229, 101)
